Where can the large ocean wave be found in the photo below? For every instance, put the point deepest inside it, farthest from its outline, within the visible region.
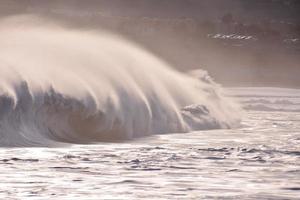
(65, 85)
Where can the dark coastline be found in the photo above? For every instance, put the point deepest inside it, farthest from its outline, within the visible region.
(210, 35)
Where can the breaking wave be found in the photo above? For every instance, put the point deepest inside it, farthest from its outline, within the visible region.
(70, 86)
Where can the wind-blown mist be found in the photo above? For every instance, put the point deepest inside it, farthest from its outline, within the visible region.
(59, 85)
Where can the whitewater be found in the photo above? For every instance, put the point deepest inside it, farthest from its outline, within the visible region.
(62, 85)
(123, 124)
(258, 160)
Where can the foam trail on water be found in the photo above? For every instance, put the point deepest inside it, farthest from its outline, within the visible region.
(59, 85)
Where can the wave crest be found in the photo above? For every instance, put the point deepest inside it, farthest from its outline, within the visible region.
(60, 85)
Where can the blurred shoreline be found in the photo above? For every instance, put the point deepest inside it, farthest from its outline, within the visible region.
(237, 50)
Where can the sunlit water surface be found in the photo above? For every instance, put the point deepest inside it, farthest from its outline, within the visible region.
(259, 160)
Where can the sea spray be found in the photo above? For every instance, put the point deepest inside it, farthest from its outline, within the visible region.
(79, 86)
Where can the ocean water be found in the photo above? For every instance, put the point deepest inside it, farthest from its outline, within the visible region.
(89, 115)
(259, 160)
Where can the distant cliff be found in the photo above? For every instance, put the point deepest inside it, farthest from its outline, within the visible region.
(257, 39)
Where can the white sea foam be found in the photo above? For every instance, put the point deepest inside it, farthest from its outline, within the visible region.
(63, 85)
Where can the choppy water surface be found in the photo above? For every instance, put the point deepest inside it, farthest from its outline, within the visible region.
(260, 160)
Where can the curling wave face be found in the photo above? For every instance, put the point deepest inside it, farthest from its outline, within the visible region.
(59, 85)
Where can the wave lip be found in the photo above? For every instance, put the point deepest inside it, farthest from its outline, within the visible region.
(80, 87)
